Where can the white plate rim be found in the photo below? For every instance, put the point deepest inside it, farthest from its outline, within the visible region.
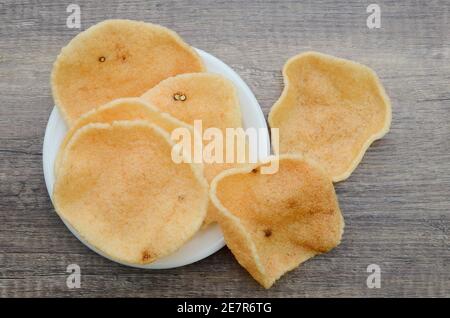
(56, 123)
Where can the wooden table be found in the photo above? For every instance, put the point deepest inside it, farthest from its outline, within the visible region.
(396, 204)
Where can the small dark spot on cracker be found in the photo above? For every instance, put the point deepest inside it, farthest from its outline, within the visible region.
(267, 232)
(255, 170)
(179, 97)
(102, 59)
(291, 203)
(180, 197)
(146, 256)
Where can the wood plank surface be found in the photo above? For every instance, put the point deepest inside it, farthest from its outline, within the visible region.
(396, 204)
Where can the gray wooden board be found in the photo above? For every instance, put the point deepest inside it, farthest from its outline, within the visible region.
(396, 204)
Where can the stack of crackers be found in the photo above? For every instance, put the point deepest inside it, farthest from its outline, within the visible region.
(124, 87)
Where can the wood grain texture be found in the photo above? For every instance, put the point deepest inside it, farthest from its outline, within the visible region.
(396, 204)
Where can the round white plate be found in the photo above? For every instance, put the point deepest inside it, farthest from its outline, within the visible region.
(206, 241)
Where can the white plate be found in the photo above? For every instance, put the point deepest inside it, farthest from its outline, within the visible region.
(207, 241)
